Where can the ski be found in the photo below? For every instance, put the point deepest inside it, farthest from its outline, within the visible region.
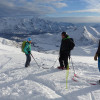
(62, 68)
(75, 75)
(75, 80)
(46, 67)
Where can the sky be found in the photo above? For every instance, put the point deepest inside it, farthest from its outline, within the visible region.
(63, 10)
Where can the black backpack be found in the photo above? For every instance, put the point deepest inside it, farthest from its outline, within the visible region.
(72, 44)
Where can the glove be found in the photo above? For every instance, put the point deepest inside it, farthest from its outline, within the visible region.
(95, 57)
(69, 57)
(29, 52)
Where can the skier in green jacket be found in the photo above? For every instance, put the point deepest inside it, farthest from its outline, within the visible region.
(27, 51)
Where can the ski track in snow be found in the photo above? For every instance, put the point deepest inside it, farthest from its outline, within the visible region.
(19, 83)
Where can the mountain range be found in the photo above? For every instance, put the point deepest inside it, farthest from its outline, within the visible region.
(20, 28)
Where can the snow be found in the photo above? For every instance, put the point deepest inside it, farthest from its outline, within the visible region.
(8, 42)
(46, 82)
(34, 83)
(95, 31)
(88, 35)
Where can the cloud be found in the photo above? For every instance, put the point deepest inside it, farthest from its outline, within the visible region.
(84, 11)
(29, 7)
(47, 1)
(11, 8)
(93, 4)
(60, 5)
(6, 3)
(89, 19)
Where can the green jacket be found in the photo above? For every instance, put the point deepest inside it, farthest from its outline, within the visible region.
(27, 48)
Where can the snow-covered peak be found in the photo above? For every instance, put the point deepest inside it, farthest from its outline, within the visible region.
(89, 36)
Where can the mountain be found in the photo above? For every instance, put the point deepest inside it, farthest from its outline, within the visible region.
(22, 27)
(18, 29)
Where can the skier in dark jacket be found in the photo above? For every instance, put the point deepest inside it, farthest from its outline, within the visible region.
(97, 55)
(27, 51)
(64, 51)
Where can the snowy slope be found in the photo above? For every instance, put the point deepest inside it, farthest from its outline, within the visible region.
(9, 42)
(33, 83)
(97, 27)
(89, 36)
(94, 31)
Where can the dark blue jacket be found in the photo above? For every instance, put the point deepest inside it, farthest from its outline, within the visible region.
(64, 48)
(98, 51)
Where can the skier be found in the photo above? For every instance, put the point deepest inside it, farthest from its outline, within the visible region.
(27, 51)
(64, 51)
(97, 55)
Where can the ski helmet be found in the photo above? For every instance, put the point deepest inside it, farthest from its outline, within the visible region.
(29, 39)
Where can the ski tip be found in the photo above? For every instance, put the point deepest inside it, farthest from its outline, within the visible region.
(76, 75)
(45, 68)
(74, 80)
(93, 83)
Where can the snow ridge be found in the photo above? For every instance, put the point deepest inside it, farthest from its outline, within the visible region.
(89, 36)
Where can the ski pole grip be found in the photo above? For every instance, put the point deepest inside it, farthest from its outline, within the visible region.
(31, 55)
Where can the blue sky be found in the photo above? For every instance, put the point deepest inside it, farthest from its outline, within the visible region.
(78, 8)
(71, 5)
(51, 8)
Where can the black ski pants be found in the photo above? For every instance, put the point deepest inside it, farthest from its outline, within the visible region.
(63, 60)
(28, 60)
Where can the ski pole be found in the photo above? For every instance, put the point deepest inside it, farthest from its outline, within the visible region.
(35, 61)
(67, 73)
(73, 67)
(55, 63)
(52, 66)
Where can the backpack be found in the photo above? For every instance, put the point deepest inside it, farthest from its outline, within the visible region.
(72, 44)
(23, 46)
